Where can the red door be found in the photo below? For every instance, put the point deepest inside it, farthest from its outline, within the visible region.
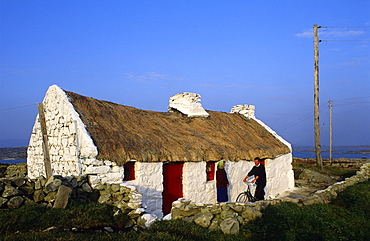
(172, 184)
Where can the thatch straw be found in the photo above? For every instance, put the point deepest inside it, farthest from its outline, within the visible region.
(122, 133)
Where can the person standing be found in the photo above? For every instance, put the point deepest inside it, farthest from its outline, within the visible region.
(222, 182)
(259, 178)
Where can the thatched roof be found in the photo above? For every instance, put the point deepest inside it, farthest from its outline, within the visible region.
(122, 133)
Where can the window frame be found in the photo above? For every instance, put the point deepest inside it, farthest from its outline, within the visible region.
(210, 170)
(131, 171)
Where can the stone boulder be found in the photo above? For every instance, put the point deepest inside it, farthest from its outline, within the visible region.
(15, 202)
(203, 219)
(16, 170)
(250, 213)
(53, 183)
(62, 197)
(215, 224)
(18, 181)
(2, 201)
(10, 191)
(230, 226)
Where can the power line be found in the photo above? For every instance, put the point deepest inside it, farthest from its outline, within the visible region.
(296, 122)
(306, 117)
(355, 98)
(345, 27)
(344, 40)
(353, 103)
(17, 107)
(351, 99)
(350, 40)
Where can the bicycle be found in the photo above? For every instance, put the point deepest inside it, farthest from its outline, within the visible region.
(246, 196)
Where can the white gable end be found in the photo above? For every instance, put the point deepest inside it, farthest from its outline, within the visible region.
(69, 141)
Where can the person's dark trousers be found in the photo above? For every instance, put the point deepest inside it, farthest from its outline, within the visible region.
(260, 192)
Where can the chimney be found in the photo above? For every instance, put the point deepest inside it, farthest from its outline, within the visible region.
(188, 104)
(246, 110)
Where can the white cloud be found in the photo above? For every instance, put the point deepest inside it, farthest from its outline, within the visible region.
(305, 34)
(328, 33)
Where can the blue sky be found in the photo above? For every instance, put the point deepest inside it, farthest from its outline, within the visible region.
(140, 53)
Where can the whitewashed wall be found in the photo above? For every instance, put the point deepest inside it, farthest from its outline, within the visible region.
(102, 171)
(195, 184)
(69, 141)
(236, 171)
(280, 175)
(149, 182)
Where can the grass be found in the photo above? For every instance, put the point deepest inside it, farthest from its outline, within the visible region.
(31, 220)
(346, 218)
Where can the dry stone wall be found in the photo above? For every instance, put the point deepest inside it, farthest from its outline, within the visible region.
(16, 190)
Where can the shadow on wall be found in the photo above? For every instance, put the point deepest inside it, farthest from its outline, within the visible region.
(152, 200)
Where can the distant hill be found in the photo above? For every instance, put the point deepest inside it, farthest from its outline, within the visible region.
(13, 153)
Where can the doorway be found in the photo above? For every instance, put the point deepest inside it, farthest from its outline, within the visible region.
(172, 184)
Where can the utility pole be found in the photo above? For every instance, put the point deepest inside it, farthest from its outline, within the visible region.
(316, 98)
(331, 131)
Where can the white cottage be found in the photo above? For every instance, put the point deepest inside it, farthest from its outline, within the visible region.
(165, 155)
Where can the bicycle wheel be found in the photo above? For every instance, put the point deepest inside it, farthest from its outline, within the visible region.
(242, 198)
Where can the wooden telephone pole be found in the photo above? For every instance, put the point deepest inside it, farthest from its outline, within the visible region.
(331, 131)
(316, 98)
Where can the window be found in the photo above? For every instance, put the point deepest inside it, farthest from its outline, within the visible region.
(210, 169)
(129, 171)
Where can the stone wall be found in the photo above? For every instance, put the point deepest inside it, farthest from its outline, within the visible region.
(16, 190)
(224, 216)
(228, 217)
